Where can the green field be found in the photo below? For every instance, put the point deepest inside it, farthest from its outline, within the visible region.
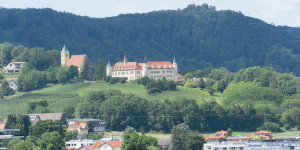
(59, 95)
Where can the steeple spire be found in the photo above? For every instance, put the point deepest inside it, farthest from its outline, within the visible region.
(174, 62)
(125, 59)
(64, 49)
(108, 64)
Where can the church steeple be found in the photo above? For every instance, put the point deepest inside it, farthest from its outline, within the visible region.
(65, 55)
(108, 64)
(125, 59)
(174, 62)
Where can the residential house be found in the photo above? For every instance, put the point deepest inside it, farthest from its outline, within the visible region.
(265, 135)
(75, 60)
(134, 70)
(95, 145)
(110, 145)
(180, 77)
(12, 82)
(80, 127)
(238, 138)
(97, 125)
(221, 135)
(13, 67)
(47, 116)
(79, 143)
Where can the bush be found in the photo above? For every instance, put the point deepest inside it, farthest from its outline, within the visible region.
(113, 80)
(271, 126)
(154, 91)
(287, 126)
(190, 85)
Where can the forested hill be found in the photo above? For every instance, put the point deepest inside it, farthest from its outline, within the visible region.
(199, 36)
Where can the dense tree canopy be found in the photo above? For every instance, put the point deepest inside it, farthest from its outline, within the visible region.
(200, 35)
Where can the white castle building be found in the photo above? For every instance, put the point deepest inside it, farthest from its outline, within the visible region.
(153, 69)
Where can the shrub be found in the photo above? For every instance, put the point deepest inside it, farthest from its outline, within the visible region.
(154, 91)
(271, 126)
(190, 85)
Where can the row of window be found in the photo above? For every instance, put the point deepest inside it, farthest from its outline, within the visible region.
(160, 76)
(161, 71)
(122, 73)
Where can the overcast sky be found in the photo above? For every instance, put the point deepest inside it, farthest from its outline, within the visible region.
(279, 12)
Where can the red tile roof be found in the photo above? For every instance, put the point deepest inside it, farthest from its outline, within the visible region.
(98, 143)
(76, 60)
(210, 137)
(114, 143)
(72, 148)
(261, 132)
(160, 65)
(127, 66)
(89, 147)
(222, 132)
(179, 75)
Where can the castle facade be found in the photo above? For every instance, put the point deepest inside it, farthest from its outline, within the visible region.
(153, 69)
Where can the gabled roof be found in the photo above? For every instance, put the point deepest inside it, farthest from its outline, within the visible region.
(210, 137)
(221, 132)
(46, 116)
(76, 60)
(261, 132)
(64, 49)
(160, 65)
(80, 124)
(89, 147)
(179, 75)
(127, 66)
(114, 143)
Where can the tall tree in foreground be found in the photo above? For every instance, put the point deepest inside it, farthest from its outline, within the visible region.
(6, 90)
(184, 139)
(100, 70)
(87, 70)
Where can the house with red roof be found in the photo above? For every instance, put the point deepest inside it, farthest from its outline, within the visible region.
(80, 127)
(103, 145)
(134, 70)
(75, 60)
(265, 135)
(217, 136)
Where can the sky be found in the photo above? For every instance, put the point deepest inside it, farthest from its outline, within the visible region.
(278, 12)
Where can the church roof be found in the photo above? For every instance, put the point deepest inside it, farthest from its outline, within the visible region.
(160, 65)
(76, 60)
(127, 66)
(64, 49)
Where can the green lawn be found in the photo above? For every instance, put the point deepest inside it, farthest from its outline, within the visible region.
(59, 95)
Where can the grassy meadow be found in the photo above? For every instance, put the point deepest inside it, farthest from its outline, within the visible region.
(59, 95)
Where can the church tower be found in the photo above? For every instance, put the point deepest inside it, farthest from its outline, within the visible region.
(109, 68)
(176, 69)
(64, 56)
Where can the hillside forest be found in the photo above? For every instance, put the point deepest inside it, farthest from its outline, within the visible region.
(200, 37)
(253, 98)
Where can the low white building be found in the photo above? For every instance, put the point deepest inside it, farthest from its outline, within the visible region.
(253, 145)
(13, 67)
(79, 143)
